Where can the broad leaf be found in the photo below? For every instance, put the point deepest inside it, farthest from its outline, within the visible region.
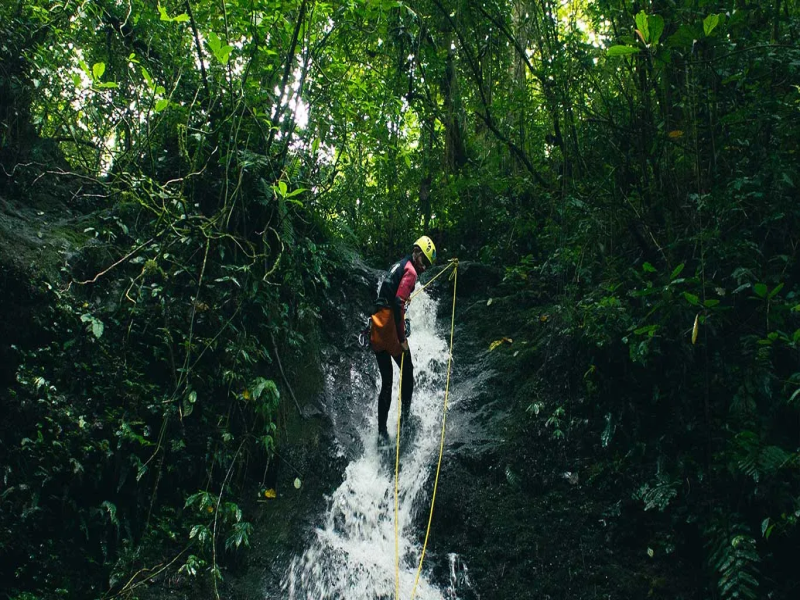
(98, 69)
(622, 50)
(656, 25)
(710, 23)
(684, 37)
(642, 26)
(214, 42)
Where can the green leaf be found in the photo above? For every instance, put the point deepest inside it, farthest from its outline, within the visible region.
(188, 403)
(691, 298)
(223, 54)
(775, 291)
(710, 302)
(793, 397)
(181, 18)
(647, 329)
(656, 25)
(95, 324)
(760, 289)
(710, 23)
(684, 37)
(147, 78)
(164, 15)
(647, 267)
(282, 187)
(214, 42)
(161, 104)
(622, 50)
(642, 26)
(295, 192)
(677, 271)
(98, 69)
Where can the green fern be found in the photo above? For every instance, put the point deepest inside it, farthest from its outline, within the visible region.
(734, 558)
(658, 495)
(756, 460)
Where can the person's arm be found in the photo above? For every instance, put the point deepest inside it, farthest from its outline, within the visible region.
(404, 290)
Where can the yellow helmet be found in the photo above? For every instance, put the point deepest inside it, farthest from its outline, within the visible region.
(428, 249)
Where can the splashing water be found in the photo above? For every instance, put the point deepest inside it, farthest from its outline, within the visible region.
(353, 553)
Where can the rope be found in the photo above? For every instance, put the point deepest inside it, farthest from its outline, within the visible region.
(444, 421)
(453, 263)
(396, 480)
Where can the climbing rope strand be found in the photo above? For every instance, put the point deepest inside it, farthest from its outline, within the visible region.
(396, 486)
(452, 263)
(444, 421)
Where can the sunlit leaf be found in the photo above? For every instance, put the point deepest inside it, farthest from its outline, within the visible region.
(148, 79)
(98, 69)
(496, 343)
(213, 42)
(710, 23)
(642, 26)
(622, 50)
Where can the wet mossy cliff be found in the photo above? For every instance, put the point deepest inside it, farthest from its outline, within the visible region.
(164, 414)
(532, 497)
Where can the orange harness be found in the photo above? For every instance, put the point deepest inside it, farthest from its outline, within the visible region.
(383, 333)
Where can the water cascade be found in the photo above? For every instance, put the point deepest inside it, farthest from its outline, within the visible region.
(352, 554)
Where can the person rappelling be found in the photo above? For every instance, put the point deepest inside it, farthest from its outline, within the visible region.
(388, 336)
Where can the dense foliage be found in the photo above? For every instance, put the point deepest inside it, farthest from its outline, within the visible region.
(634, 162)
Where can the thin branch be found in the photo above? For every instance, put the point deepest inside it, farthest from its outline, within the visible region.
(199, 48)
(285, 380)
(120, 261)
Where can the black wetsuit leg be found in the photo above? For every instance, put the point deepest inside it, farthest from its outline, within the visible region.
(385, 395)
(408, 385)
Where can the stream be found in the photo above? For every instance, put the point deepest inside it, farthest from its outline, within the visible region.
(352, 552)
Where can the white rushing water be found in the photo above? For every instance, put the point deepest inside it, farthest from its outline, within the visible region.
(353, 553)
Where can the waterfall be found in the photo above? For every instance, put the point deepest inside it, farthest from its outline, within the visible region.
(352, 555)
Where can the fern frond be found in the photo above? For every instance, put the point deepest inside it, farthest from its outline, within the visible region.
(734, 558)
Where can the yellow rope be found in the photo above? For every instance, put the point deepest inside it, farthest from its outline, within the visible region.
(453, 263)
(396, 479)
(444, 421)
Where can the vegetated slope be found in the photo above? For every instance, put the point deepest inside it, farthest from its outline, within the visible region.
(569, 474)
